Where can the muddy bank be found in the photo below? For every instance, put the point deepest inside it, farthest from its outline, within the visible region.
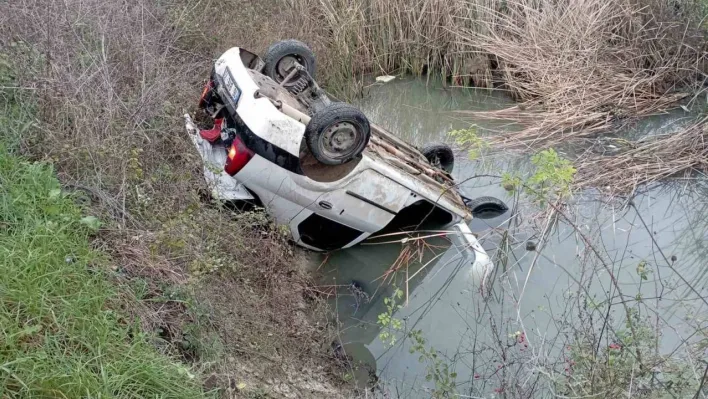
(228, 294)
(276, 343)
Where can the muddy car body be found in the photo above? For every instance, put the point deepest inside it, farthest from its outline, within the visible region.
(259, 150)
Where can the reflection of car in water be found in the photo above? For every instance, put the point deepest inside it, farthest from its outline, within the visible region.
(361, 289)
(358, 274)
(318, 166)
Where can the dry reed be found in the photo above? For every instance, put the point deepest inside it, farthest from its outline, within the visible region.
(583, 67)
(680, 154)
(397, 36)
(580, 68)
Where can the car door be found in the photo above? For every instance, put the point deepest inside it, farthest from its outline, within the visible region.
(353, 212)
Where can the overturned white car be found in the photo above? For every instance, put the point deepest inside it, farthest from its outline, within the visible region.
(318, 166)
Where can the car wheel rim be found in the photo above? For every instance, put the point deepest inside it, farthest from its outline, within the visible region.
(435, 161)
(339, 141)
(286, 64)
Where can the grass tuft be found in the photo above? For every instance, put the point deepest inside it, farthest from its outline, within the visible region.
(61, 333)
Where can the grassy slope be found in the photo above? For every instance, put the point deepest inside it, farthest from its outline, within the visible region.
(61, 332)
(225, 293)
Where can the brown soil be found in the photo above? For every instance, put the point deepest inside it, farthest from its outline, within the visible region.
(317, 171)
(241, 310)
(274, 343)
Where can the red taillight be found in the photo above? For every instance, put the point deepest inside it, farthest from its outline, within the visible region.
(205, 93)
(238, 157)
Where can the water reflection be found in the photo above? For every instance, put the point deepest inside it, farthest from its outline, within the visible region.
(656, 249)
(421, 113)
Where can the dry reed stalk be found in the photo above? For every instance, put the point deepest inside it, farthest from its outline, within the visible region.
(397, 36)
(648, 161)
(413, 250)
(582, 67)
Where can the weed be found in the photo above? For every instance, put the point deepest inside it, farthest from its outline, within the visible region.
(258, 393)
(61, 334)
(613, 366)
(468, 138)
(552, 178)
(390, 325)
(17, 112)
(438, 369)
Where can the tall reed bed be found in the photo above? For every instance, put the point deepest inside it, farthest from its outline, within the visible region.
(399, 36)
(584, 67)
(579, 67)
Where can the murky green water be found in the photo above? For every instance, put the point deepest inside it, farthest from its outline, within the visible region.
(454, 318)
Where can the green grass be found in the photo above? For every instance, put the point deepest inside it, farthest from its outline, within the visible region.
(61, 332)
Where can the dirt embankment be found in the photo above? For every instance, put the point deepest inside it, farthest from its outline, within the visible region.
(225, 293)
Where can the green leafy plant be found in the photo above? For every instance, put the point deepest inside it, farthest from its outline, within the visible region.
(553, 175)
(551, 180)
(91, 222)
(642, 270)
(390, 325)
(470, 139)
(438, 369)
(614, 364)
(511, 182)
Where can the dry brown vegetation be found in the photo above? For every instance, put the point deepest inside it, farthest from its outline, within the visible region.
(556, 52)
(399, 36)
(650, 160)
(583, 67)
(109, 81)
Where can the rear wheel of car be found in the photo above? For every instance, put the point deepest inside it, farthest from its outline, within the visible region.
(486, 207)
(281, 57)
(440, 156)
(337, 133)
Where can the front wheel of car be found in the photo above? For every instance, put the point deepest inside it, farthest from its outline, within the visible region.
(337, 133)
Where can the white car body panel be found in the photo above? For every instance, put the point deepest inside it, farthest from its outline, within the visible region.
(258, 113)
(222, 185)
(467, 244)
(366, 200)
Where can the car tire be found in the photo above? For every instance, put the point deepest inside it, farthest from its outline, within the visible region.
(337, 133)
(486, 207)
(440, 156)
(286, 50)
